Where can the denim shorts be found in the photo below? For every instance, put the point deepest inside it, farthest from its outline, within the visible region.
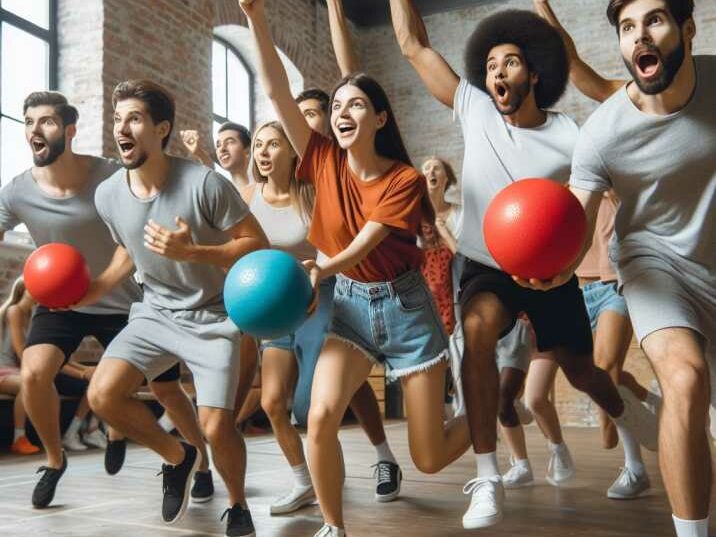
(600, 297)
(395, 323)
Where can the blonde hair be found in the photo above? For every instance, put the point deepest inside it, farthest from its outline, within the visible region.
(302, 193)
(16, 292)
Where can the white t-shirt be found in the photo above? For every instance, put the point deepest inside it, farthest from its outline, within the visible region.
(497, 154)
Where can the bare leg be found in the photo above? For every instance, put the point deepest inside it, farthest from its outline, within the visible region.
(511, 382)
(249, 364)
(433, 443)
(611, 342)
(484, 319)
(540, 380)
(365, 407)
(40, 365)
(340, 371)
(111, 397)
(228, 450)
(677, 355)
(181, 411)
(279, 370)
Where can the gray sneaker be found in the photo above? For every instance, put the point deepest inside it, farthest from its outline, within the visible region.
(640, 421)
(629, 485)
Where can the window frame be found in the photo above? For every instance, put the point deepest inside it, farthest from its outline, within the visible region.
(232, 49)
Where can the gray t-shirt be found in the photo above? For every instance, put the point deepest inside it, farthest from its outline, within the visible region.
(663, 169)
(8, 358)
(497, 154)
(205, 200)
(72, 220)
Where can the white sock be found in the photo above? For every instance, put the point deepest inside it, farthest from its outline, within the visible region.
(487, 464)
(301, 476)
(691, 528)
(166, 423)
(632, 451)
(560, 448)
(18, 434)
(74, 427)
(522, 463)
(384, 453)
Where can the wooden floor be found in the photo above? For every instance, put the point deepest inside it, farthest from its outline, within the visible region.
(91, 503)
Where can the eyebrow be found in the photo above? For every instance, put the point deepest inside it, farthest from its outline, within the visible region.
(50, 116)
(510, 55)
(654, 11)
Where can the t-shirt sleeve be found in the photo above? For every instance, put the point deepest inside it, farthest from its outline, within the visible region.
(102, 202)
(222, 203)
(466, 96)
(8, 219)
(317, 151)
(588, 169)
(402, 206)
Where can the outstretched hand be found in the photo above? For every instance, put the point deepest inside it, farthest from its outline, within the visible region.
(251, 6)
(177, 245)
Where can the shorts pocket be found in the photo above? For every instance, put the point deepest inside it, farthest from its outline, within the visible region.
(413, 299)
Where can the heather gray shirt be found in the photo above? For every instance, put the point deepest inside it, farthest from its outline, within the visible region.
(72, 220)
(497, 154)
(663, 169)
(205, 200)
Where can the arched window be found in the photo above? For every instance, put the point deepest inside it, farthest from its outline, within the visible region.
(28, 38)
(232, 86)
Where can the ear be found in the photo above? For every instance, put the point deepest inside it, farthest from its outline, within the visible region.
(382, 119)
(534, 79)
(164, 128)
(70, 131)
(689, 32)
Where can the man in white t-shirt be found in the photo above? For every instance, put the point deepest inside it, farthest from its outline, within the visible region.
(516, 69)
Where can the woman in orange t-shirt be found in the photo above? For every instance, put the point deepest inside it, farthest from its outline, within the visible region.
(369, 206)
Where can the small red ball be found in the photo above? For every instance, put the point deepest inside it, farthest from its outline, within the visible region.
(56, 275)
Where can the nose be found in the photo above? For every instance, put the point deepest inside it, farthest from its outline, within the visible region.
(642, 36)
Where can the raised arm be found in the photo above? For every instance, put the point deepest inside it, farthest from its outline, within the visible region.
(274, 79)
(435, 72)
(584, 78)
(192, 141)
(341, 38)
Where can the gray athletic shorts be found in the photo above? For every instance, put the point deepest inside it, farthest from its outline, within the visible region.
(514, 349)
(207, 342)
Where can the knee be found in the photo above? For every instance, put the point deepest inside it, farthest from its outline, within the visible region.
(507, 414)
(216, 424)
(274, 405)
(100, 396)
(478, 332)
(426, 462)
(687, 385)
(323, 422)
(538, 403)
(33, 378)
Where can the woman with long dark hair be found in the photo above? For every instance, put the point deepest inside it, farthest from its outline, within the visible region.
(370, 203)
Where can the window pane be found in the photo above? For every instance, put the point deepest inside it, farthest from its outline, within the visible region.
(25, 68)
(218, 78)
(15, 156)
(238, 89)
(35, 11)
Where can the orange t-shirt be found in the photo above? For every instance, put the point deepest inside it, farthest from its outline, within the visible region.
(344, 203)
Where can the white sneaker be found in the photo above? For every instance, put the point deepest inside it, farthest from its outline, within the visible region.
(560, 469)
(485, 509)
(330, 531)
(524, 413)
(518, 476)
(642, 423)
(294, 500)
(72, 442)
(629, 485)
(95, 439)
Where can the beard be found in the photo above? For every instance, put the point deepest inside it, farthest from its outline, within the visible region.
(136, 162)
(671, 63)
(518, 94)
(54, 151)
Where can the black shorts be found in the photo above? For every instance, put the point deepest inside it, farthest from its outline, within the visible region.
(558, 316)
(66, 330)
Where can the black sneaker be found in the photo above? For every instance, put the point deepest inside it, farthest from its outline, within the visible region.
(239, 523)
(177, 480)
(45, 489)
(114, 455)
(203, 489)
(388, 476)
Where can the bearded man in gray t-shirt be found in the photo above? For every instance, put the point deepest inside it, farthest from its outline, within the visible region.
(55, 200)
(654, 143)
(181, 225)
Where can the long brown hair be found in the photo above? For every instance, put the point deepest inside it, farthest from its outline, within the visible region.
(302, 193)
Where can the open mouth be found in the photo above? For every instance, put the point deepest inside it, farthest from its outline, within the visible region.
(224, 157)
(432, 181)
(502, 92)
(346, 128)
(647, 62)
(125, 147)
(38, 145)
(264, 164)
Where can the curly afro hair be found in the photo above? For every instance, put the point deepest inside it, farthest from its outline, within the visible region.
(541, 45)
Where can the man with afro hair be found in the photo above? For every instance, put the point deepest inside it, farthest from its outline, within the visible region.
(516, 67)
